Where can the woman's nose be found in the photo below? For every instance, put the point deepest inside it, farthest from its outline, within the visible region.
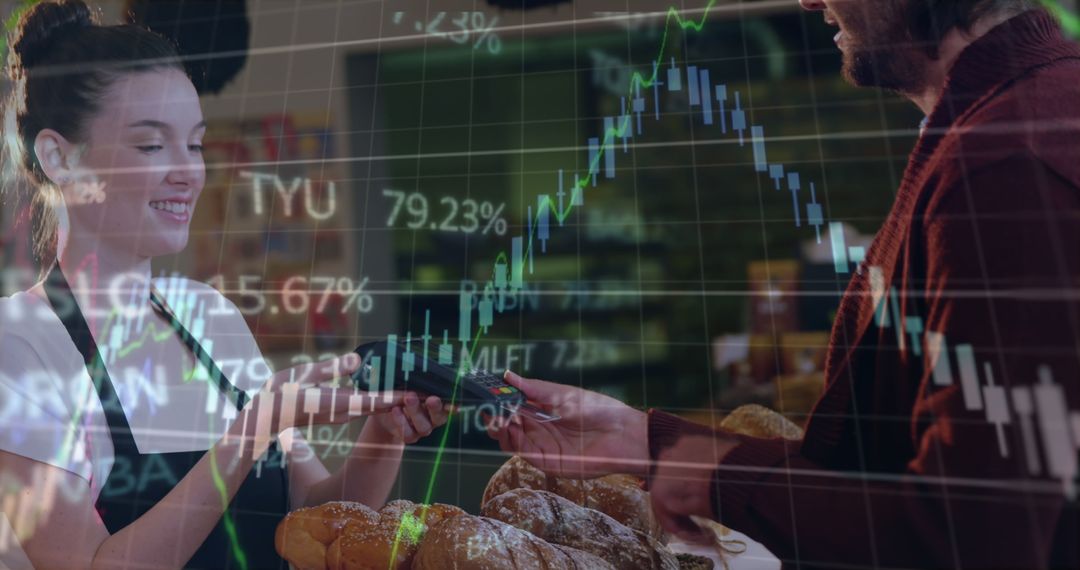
(813, 5)
(185, 169)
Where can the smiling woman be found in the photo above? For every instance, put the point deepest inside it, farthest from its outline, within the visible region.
(108, 131)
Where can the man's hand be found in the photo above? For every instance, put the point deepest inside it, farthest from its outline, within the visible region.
(682, 483)
(596, 435)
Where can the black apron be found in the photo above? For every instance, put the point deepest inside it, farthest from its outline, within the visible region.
(244, 537)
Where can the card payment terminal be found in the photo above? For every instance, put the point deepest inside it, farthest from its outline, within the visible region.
(391, 365)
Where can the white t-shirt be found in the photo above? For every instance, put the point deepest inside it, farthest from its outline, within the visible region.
(50, 411)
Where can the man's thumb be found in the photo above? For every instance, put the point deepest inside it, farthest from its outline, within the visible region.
(536, 390)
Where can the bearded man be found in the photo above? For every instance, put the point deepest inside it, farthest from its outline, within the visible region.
(948, 430)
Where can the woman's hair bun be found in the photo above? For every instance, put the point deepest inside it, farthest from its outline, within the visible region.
(42, 26)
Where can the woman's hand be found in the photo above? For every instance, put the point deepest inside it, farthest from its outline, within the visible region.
(372, 466)
(318, 386)
(412, 420)
(596, 435)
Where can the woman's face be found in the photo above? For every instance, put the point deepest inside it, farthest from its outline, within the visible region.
(141, 168)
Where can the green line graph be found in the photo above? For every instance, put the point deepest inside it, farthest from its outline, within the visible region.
(223, 493)
(1070, 22)
(151, 333)
(580, 183)
(637, 79)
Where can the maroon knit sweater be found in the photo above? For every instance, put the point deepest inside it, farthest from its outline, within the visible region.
(983, 245)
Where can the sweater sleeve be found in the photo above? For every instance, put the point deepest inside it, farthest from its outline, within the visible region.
(1003, 249)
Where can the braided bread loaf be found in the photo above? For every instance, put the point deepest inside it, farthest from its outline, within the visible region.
(478, 543)
(559, 521)
(304, 535)
(618, 496)
(351, 536)
(365, 546)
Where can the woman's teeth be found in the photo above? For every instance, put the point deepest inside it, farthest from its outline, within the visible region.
(172, 207)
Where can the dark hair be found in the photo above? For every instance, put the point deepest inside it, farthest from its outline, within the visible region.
(930, 20)
(60, 63)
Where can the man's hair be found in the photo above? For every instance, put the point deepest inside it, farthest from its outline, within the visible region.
(930, 20)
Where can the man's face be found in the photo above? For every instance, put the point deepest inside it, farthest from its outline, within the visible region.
(877, 48)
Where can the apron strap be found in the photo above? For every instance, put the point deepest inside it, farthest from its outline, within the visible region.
(66, 308)
(237, 396)
(64, 304)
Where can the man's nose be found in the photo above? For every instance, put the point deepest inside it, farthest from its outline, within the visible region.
(813, 5)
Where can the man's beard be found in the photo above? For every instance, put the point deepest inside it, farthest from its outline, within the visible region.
(896, 68)
(880, 52)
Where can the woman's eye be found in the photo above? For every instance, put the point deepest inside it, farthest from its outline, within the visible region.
(149, 148)
(195, 148)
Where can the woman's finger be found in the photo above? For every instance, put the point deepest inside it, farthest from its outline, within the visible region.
(401, 423)
(303, 407)
(335, 406)
(417, 416)
(346, 404)
(381, 402)
(438, 412)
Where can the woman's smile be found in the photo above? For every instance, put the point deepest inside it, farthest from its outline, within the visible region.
(173, 210)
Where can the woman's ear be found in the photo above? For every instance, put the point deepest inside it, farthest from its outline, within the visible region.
(54, 154)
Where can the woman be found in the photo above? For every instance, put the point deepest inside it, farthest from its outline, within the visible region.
(126, 454)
